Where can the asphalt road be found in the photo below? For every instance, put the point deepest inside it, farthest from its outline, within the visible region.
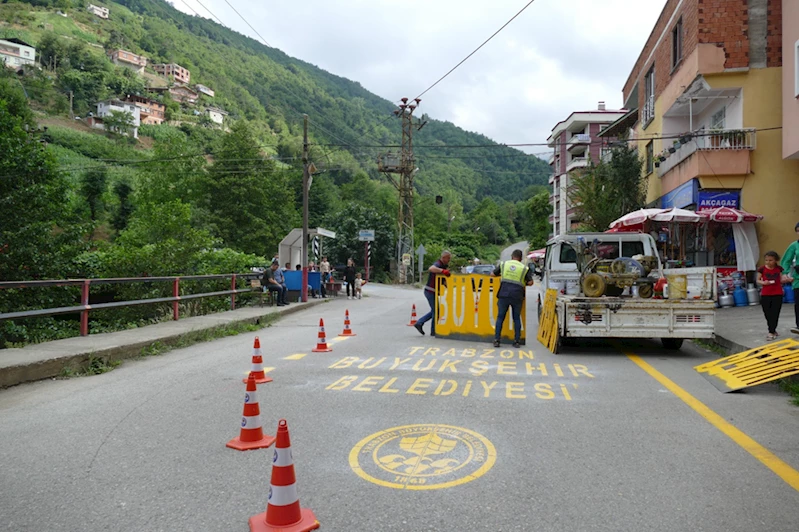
(489, 440)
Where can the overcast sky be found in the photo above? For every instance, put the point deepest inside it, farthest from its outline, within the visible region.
(556, 57)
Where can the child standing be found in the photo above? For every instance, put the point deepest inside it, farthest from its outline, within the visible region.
(358, 285)
(769, 277)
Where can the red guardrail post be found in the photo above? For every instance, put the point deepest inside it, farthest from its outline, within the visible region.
(84, 314)
(175, 293)
(233, 296)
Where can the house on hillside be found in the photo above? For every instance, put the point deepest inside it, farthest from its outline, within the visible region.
(129, 60)
(105, 108)
(172, 70)
(216, 115)
(16, 53)
(202, 89)
(150, 111)
(184, 94)
(98, 11)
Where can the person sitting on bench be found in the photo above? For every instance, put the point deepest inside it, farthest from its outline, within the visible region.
(271, 284)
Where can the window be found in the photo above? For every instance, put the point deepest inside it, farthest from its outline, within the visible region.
(796, 67)
(631, 249)
(718, 119)
(676, 44)
(649, 96)
(650, 157)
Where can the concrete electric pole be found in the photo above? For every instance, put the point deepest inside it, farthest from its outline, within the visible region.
(404, 165)
(306, 174)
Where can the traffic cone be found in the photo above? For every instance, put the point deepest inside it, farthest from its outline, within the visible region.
(321, 343)
(252, 435)
(347, 330)
(258, 364)
(413, 317)
(283, 512)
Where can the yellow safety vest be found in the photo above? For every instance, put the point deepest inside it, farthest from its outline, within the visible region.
(514, 272)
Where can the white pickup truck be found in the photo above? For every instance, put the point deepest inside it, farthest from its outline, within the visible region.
(625, 314)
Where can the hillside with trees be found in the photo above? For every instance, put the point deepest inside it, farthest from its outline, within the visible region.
(194, 196)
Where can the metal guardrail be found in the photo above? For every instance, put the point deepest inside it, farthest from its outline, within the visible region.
(84, 308)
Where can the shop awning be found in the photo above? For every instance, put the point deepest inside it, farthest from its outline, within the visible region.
(729, 215)
(537, 254)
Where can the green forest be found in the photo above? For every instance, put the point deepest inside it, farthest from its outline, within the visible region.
(190, 196)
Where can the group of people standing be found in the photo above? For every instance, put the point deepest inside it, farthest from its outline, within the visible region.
(273, 279)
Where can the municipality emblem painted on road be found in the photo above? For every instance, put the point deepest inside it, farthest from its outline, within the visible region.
(422, 457)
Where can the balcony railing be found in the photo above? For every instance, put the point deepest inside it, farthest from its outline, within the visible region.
(716, 140)
(649, 108)
(577, 163)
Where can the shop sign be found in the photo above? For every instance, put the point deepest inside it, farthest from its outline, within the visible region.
(681, 196)
(712, 199)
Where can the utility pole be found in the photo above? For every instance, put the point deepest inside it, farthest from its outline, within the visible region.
(405, 166)
(305, 181)
(71, 113)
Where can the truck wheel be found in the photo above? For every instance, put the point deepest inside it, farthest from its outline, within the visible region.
(673, 344)
(593, 285)
(646, 291)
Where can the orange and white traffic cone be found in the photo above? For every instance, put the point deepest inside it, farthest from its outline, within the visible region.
(258, 364)
(413, 317)
(321, 343)
(347, 330)
(252, 435)
(283, 512)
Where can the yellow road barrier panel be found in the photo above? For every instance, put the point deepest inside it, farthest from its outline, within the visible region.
(548, 331)
(766, 363)
(466, 308)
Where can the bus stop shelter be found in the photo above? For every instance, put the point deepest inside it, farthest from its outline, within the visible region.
(290, 248)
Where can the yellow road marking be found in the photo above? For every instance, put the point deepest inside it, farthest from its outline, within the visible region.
(338, 339)
(766, 457)
(297, 356)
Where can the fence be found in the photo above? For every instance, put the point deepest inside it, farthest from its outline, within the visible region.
(84, 308)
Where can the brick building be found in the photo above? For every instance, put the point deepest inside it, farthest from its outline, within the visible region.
(575, 142)
(150, 111)
(172, 70)
(129, 59)
(707, 87)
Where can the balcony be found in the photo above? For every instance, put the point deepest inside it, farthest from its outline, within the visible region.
(554, 198)
(722, 152)
(578, 143)
(582, 162)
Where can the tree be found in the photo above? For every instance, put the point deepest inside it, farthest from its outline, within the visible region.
(125, 209)
(608, 190)
(346, 223)
(118, 122)
(537, 227)
(248, 199)
(93, 186)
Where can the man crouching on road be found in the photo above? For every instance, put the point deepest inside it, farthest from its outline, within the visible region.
(439, 267)
(512, 289)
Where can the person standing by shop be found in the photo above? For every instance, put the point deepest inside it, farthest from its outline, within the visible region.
(439, 267)
(790, 261)
(516, 277)
(769, 277)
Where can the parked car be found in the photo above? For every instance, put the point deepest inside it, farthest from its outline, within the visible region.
(483, 269)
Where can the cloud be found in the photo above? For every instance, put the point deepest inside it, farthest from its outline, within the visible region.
(555, 58)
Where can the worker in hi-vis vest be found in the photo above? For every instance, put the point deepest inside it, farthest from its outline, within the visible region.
(515, 278)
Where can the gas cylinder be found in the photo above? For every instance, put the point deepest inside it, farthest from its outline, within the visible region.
(753, 294)
(659, 288)
(739, 294)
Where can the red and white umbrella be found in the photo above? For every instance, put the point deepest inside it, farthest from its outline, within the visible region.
(730, 215)
(537, 254)
(677, 215)
(636, 217)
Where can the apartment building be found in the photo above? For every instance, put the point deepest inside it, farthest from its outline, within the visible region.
(98, 11)
(172, 70)
(105, 108)
(150, 111)
(790, 79)
(708, 88)
(16, 53)
(129, 60)
(575, 142)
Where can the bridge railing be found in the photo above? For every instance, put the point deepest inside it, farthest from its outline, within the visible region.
(84, 307)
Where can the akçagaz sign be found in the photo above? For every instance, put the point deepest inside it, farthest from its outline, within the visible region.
(712, 199)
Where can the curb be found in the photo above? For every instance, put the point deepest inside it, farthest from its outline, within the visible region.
(732, 347)
(53, 367)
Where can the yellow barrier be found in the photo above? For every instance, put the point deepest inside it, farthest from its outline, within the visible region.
(548, 332)
(766, 363)
(466, 307)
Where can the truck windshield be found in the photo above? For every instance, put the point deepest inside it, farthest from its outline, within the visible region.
(605, 250)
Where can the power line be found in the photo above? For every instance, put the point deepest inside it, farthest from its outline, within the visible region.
(475, 50)
(250, 25)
